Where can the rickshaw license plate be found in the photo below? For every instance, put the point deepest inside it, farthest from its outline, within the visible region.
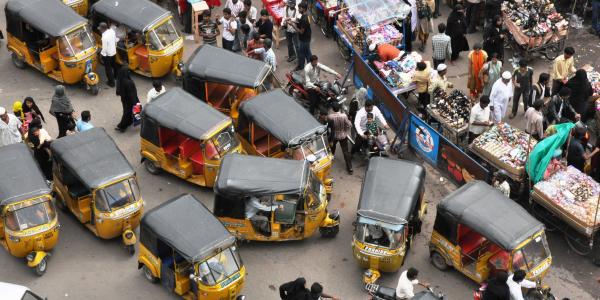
(541, 268)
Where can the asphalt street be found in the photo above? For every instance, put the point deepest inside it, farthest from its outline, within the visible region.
(85, 267)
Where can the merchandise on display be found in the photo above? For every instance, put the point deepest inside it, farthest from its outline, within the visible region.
(594, 78)
(398, 74)
(277, 11)
(574, 192)
(533, 23)
(358, 35)
(507, 145)
(454, 108)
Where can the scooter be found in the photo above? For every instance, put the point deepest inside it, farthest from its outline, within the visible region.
(378, 292)
(329, 92)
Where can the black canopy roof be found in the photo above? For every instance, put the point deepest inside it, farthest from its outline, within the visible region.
(49, 16)
(186, 225)
(21, 177)
(92, 157)
(135, 14)
(242, 175)
(490, 213)
(214, 64)
(391, 190)
(280, 115)
(180, 111)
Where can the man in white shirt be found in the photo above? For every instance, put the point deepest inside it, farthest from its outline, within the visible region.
(229, 28)
(360, 124)
(10, 128)
(250, 10)
(254, 206)
(501, 94)
(405, 288)
(156, 90)
(108, 52)
(235, 6)
(290, 16)
(311, 80)
(517, 281)
(480, 118)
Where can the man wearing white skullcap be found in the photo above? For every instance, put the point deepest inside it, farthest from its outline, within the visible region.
(10, 128)
(502, 92)
(439, 80)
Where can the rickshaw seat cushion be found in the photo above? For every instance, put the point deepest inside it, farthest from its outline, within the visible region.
(471, 242)
(197, 163)
(264, 145)
(219, 93)
(188, 148)
(141, 51)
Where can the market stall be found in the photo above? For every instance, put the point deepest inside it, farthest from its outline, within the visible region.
(574, 198)
(362, 21)
(535, 27)
(452, 112)
(323, 13)
(398, 74)
(505, 148)
(276, 9)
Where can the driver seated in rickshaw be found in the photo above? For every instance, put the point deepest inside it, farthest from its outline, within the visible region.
(258, 211)
(377, 235)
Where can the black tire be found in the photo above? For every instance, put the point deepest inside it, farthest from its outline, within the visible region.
(314, 13)
(41, 268)
(130, 249)
(148, 274)
(343, 49)
(553, 51)
(438, 261)
(94, 89)
(17, 60)
(59, 202)
(152, 167)
(329, 232)
(577, 243)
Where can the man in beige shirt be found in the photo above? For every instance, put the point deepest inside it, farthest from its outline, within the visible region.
(534, 120)
(562, 67)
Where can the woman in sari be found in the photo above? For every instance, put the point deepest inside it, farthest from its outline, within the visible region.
(477, 58)
(490, 73)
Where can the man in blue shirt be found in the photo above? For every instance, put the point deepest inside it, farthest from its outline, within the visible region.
(84, 124)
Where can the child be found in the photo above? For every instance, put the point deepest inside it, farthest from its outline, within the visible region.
(376, 136)
(209, 29)
(83, 123)
(501, 183)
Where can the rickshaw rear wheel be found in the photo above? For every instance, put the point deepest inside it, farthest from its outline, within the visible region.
(130, 249)
(329, 232)
(94, 89)
(148, 274)
(59, 202)
(152, 167)
(438, 261)
(576, 244)
(17, 61)
(40, 269)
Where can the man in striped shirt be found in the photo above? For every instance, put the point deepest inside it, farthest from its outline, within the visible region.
(339, 128)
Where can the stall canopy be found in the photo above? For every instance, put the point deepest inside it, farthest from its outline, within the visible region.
(280, 115)
(180, 111)
(21, 178)
(92, 157)
(391, 190)
(138, 15)
(48, 16)
(187, 226)
(488, 212)
(242, 175)
(372, 12)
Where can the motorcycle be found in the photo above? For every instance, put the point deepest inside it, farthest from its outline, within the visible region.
(329, 93)
(378, 292)
(540, 292)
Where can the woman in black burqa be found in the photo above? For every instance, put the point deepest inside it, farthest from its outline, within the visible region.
(456, 29)
(62, 109)
(294, 290)
(128, 92)
(581, 91)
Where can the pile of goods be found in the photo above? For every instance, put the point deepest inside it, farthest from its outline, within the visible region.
(276, 9)
(453, 108)
(574, 192)
(594, 78)
(534, 22)
(506, 146)
(358, 35)
(398, 74)
(329, 3)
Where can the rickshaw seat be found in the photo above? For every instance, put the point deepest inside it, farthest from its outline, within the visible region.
(264, 145)
(171, 145)
(77, 190)
(188, 148)
(471, 242)
(142, 53)
(197, 163)
(218, 94)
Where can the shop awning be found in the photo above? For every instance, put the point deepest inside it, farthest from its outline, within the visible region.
(372, 12)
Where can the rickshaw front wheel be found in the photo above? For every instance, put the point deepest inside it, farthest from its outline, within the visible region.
(17, 61)
(438, 261)
(40, 269)
(152, 167)
(94, 89)
(59, 202)
(130, 249)
(148, 274)
(329, 232)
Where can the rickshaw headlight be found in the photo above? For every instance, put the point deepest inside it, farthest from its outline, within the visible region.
(129, 235)
(14, 239)
(30, 256)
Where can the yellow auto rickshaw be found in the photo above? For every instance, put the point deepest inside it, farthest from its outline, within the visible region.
(185, 137)
(479, 231)
(271, 199)
(94, 180)
(53, 39)
(224, 79)
(389, 215)
(79, 6)
(185, 247)
(273, 124)
(29, 226)
(148, 42)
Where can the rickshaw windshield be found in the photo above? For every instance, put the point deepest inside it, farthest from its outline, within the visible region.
(532, 254)
(163, 36)
(225, 140)
(373, 233)
(117, 195)
(75, 42)
(315, 147)
(30, 216)
(220, 267)
(316, 191)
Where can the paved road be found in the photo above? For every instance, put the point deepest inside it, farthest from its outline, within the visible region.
(85, 267)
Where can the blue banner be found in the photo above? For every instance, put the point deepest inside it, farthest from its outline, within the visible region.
(423, 139)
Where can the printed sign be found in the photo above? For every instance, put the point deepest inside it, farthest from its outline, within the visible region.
(423, 139)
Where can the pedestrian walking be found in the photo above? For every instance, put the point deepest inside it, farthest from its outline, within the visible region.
(563, 67)
(490, 73)
(157, 89)
(493, 38)
(39, 141)
(441, 45)
(30, 107)
(422, 78)
(339, 130)
(291, 36)
(502, 92)
(304, 37)
(108, 52)
(229, 28)
(456, 30)
(581, 91)
(522, 81)
(473, 14)
(62, 109)
(424, 10)
(10, 128)
(477, 58)
(128, 92)
(294, 289)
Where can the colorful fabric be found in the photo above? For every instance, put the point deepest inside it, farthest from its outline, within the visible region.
(540, 156)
